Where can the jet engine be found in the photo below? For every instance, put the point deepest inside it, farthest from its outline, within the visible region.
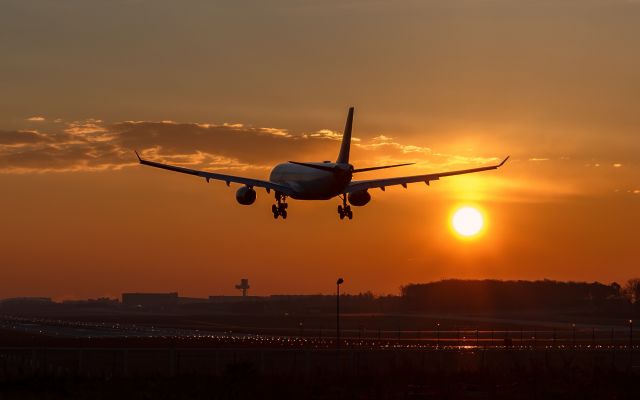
(359, 198)
(246, 195)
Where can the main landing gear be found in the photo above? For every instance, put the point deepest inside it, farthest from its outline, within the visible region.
(280, 209)
(344, 210)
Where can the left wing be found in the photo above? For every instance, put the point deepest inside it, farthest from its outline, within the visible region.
(355, 186)
(221, 177)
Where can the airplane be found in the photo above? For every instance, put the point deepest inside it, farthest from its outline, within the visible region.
(317, 180)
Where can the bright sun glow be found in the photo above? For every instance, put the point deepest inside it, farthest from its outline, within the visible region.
(467, 221)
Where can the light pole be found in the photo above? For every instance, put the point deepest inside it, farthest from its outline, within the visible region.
(339, 282)
(631, 343)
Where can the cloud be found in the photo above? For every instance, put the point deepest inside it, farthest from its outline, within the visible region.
(228, 124)
(94, 145)
(91, 130)
(271, 131)
(329, 134)
(17, 138)
(199, 160)
(386, 142)
(382, 138)
(36, 118)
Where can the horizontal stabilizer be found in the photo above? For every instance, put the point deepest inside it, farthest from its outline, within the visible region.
(316, 166)
(381, 167)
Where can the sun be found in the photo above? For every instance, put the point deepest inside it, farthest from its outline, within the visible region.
(467, 221)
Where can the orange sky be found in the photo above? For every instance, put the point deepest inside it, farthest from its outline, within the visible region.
(237, 88)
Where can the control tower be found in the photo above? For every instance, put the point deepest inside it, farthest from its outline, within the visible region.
(244, 286)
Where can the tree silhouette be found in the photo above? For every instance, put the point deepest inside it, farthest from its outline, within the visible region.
(631, 290)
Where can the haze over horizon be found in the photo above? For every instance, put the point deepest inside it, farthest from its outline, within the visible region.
(237, 87)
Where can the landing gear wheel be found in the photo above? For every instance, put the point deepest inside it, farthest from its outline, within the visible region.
(344, 210)
(280, 208)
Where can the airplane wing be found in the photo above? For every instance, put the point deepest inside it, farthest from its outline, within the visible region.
(221, 177)
(356, 186)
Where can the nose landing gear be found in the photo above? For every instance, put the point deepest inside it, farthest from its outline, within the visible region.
(344, 210)
(280, 209)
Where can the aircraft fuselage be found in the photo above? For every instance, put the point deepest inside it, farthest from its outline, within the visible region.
(310, 183)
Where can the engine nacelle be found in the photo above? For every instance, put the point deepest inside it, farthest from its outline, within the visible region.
(359, 198)
(246, 195)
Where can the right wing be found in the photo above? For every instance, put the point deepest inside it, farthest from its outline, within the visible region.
(221, 177)
(356, 186)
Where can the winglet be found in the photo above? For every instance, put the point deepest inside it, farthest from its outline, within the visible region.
(138, 155)
(503, 161)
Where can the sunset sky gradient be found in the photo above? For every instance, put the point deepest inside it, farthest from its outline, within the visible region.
(238, 86)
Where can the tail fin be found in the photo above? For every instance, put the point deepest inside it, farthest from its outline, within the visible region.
(343, 157)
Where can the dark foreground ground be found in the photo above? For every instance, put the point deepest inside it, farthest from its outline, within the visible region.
(186, 358)
(221, 372)
(242, 381)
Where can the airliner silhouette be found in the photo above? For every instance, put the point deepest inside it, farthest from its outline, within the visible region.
(317, 180)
